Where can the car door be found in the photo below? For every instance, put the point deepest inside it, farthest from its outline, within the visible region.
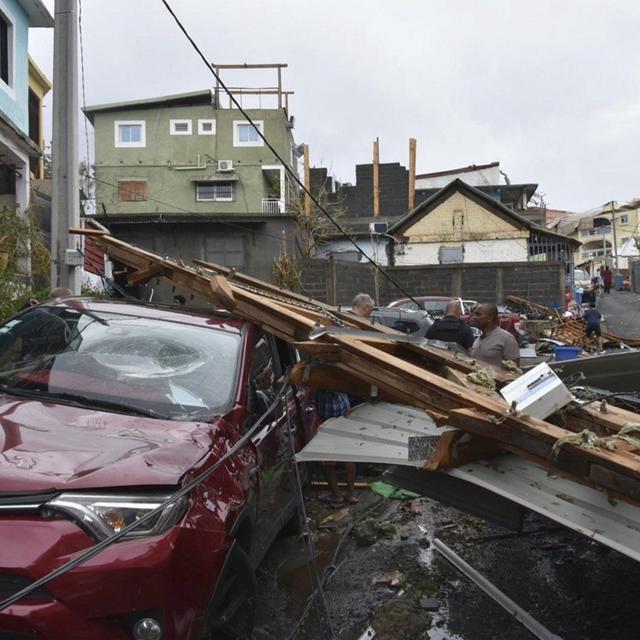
(270, 442)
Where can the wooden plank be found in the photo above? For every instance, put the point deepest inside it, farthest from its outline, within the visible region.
(452, 450)
(144, 275)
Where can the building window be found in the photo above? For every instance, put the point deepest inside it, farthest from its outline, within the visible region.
(180, 127)
(132, 190)
(6, 49)
(130, 133)
(226, 250)
(214, 191)
(246, 135)
(451, 255)
(624, 219)
(206, 127)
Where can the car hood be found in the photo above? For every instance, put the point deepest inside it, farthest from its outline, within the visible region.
(47, 446)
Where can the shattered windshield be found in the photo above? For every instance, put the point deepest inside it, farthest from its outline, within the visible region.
(116, 362)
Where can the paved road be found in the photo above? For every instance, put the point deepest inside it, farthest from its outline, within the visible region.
(621, 310)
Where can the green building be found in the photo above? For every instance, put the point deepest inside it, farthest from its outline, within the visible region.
(183, 177)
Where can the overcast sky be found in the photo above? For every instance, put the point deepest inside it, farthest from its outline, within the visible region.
(549, 88)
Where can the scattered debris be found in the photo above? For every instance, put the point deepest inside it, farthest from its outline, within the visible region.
(335, 517)
(391, 579)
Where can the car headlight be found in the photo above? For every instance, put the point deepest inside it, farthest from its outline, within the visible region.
(105, 514)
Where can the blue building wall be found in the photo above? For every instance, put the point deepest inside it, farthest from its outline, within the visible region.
(14, 101)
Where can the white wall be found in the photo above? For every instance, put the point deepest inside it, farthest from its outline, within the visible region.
(334, 247)
(513, 250)
(477, 178)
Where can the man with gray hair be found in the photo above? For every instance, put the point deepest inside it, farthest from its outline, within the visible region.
(362, 305)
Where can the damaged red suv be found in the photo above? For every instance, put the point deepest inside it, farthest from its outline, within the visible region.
(106, 410)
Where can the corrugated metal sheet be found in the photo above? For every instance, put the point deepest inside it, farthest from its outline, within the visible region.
(371, 433)
(380, 433)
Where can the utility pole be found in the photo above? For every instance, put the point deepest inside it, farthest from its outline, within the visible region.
(66, 260)
(615, 238)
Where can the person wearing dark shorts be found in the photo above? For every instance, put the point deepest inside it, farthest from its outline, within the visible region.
(593, 318)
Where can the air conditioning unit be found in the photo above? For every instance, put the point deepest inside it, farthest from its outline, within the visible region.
(378, 227)
(225, 165)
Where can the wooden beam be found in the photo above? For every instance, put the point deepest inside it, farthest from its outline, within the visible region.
(144, 275)
(376, 178)
(412, 174)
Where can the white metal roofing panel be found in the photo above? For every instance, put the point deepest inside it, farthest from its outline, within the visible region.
(612, 522)
(370, 433)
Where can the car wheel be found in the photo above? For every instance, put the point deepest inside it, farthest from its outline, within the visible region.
(231, 612)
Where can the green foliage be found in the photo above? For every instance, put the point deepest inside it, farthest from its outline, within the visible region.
(286, 272)
(21, 241)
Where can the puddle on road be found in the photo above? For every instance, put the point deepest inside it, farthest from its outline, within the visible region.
(294, 574)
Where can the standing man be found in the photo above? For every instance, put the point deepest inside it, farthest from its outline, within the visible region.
(451, 328)
(593, 317)
(495, 345)
(607, 279)
(362, 305)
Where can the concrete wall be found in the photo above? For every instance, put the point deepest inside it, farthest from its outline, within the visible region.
(169, 163)
(14, 98)
(337, 282)
(259, 243)
(376, 250)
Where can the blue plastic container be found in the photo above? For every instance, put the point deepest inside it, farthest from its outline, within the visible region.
(567, 353)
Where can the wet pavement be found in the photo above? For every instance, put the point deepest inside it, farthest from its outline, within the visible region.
(395, 582)
(621, 310)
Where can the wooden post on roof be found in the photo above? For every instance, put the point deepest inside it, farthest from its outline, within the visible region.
(412, 174)
(307, 183)
(279, 87)
(376, 178)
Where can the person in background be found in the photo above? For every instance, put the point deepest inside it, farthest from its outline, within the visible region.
(333, 404)
(495, 345)
(179, 300)
(362, 305)
(607, 279)
(451, 328)
(578, 295)
(593, 318)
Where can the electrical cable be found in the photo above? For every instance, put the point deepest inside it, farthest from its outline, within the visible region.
(286, 167)
(107, 542)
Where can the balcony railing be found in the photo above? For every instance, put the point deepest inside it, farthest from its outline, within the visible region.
(272, 205)
(595, 231)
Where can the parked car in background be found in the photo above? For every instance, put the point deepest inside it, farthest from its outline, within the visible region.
(106, 409)
(435, 305)
(411, 321)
